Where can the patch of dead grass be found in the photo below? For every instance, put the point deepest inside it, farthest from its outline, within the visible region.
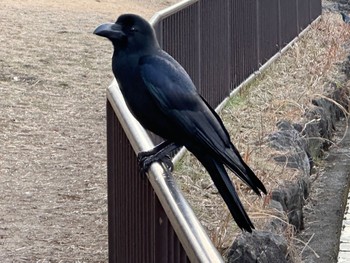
(53, 78)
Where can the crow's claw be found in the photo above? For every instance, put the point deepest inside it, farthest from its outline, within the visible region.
(168, 163)
(145, 159)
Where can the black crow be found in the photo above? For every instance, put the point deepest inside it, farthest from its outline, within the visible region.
(163, 98)
(345, 17)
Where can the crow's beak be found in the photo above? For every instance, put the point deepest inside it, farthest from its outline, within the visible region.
(110, 31)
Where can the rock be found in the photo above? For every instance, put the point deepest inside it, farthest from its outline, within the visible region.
(288, 140)
(277, 224)
(314, 141)
(342, 96)
(258, 247)
(325, 114)
(292, 199)
(277, 206)
(296, 154)
(331, 6)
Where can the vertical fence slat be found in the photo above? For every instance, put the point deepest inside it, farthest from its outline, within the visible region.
(289, 26)
(180, 38)
(268, 29)
(303, 14)
(243, 40)
(214, 36)
(315, 9)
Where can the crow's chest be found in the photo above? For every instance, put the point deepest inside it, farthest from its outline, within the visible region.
(141, 104)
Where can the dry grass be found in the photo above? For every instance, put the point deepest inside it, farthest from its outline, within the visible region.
(283, 92)
(53, 77)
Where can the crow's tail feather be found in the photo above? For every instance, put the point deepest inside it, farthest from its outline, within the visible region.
(226, 189)
(232, 159)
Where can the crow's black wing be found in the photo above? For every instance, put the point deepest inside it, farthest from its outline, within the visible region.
(176, 96)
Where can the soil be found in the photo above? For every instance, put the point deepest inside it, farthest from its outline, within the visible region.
(53, 76)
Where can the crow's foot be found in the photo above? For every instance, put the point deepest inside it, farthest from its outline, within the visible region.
(145, 159)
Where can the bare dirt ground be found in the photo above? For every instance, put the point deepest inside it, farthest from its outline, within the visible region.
(53, 77)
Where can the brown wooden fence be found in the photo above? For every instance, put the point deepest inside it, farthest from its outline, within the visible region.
(220, 43)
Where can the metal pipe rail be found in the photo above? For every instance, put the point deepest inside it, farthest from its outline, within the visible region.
(170, 10)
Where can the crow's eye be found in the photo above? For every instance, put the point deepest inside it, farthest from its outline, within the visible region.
(133, 29)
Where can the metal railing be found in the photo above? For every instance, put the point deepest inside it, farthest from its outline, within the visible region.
(221, 44)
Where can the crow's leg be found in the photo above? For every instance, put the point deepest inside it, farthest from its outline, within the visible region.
(159, 153)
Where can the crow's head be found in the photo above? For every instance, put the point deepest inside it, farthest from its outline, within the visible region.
(130, 32)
